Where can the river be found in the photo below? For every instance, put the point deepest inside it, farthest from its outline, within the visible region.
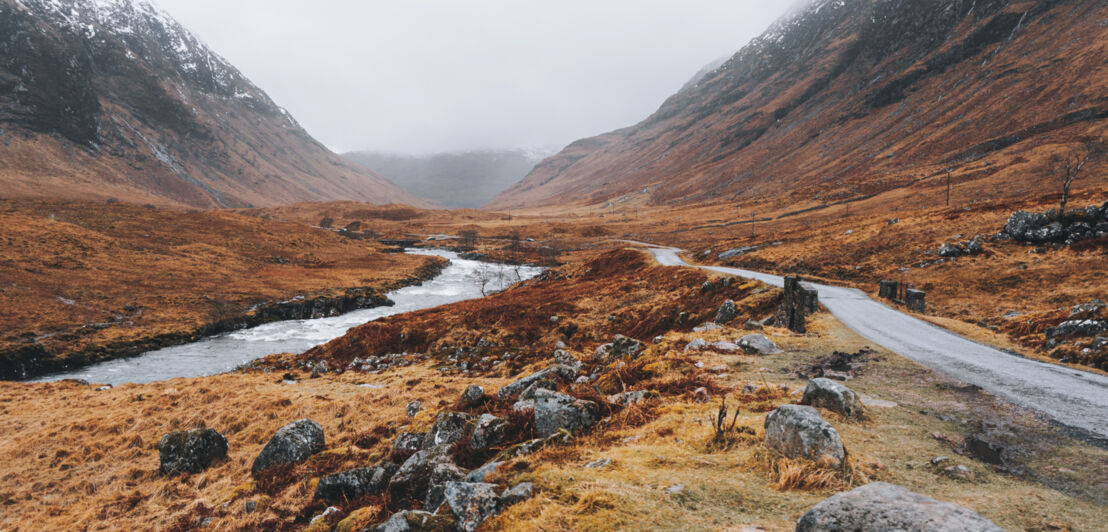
(221, 353)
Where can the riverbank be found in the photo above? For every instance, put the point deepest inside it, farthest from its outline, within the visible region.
(99, 281)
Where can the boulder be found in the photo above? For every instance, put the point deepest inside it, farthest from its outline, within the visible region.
(417, 521)
(292, 443)
(1053, 232)
(727, 312)
(555, 372)
(413, 480)
(882, 506)
(697, 344)
(800, 432)
(472, 397)
(949, 250)
(620, 347)
(1074, 328)
(472, 503)
(631, 397)
(488, 432)
(191, 451)
(826, 393)
(735, 252)
(346, 486)
(555, 411)
(707, 327)
(518, 493)
(483, 472)
(441, 476)
(1021, 222)
(449, 427)
(413, 408)
(758, 344)
(564, 358)
(407, 444)
(1087, 310)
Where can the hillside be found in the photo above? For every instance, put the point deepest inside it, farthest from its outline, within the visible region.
(466, 179)
(113, 98)
(848, 98)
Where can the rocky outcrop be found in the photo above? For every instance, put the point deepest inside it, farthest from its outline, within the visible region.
(826, 393)
(882, 506)
(472, 397)
(555, 372)
(448, 428)
(472, 503)
(346, 486)
(620, 347)
(417, 521)
(1049, 228)
(292, 443)
(406, 444)
(555, 412)
(191, 451)
(413, 481)
(489, 432)
(800, 432)
(727, 312)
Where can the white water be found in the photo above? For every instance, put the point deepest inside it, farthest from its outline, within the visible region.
(225, 352)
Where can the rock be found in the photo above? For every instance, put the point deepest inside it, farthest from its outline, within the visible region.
(448, 428)
(797, 302)
(481, 473)
(417, 521)
(1074, 328)
(727, 312)
(555, 411)
(472, 397)
(412, 482)
(555, 372)
(707, 327)
(735, 252)
(1087, 310)
(701, 395)
(800, 432)
(620, 347)
(319, 369)
(882, 506)
(959, 471)
(488, 432)
(949, 250)
(346, 486)
(250, 506)
(752, 325)
(331, 510)
(413, 408)
(599, 464)
(696, 344)
(632, 397)
(564, 358)
(407, 444)
(675, 489)
(441, 476)
(975, 246)
(1022, 222)
(982, 448)
(191, 451)
(758, 344)
(1053, 232)
(292, 443)
(524, 405)
(472, 503)
(939, 459)
(724, 347)
(826, 393)
(544, 384)
(518, 493)
(521, 449)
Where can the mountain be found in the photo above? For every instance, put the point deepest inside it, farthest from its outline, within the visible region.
(842, 99)
(460, 179)
(113, 98)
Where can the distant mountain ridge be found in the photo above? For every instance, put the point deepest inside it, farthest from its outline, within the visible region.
(113, 98)
(465, 179)
(846, 98)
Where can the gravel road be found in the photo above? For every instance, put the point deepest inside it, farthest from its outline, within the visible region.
(1074, 398)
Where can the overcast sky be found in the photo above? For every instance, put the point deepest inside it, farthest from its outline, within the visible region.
(420, 76)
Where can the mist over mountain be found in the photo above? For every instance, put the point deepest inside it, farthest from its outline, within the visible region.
(466, 179)
(113, 98)
(846, 98)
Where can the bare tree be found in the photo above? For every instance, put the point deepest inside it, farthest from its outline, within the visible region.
(514, 243)
(481, 277)
(326, 222)
(1068, 167)
(467, 240)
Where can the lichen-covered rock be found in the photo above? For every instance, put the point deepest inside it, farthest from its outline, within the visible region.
(481, 473)
(472, 397)
(565, 358)
(758, 344)
(407, 444)
(449, 427)
(191, 451)
(441, 476)
(472, 503)
(488, 432)
(518, 493)
(631, 397)
(417, 521)
(836, 397)
(352, 484)
(800, 432)
(620, 347)
(727, 312)
(292, 443)
(882, 506)
(555, 411)
(413, 408)
(411, 482)
(555, 372)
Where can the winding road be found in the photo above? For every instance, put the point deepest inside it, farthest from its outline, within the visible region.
(1074, 398)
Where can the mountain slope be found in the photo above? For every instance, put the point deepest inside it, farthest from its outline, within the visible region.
(113, 98)
(461, 179)
(846, 98)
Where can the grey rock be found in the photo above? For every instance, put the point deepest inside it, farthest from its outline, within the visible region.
(984, 449)
(521, 449)
(319, 369)
(675, 489)
(752, 325)
(620, 347)
(735, 252)
(555, 411)
(406, 444)
(631, 397)
(564, 358)
(331, 510)
(800, 432)
(417, 521)
(191, 451)
(346, 486)
(518, 493)
(488, 432)
(441, 476)
(472, 503)
(758, 344)
(882, 506)
(707, 327)
(727, 312)
(413, 408)
(292, 443)
(724, 347)
(949, 250)
(544, 384)
(826, 393)
(449, 427)
(412, 481)
(697, 344)
(1073, 328)
(1022, 222)
(473, 396)
(1086, 310)
(555, 372)
(523, 405)
(483, 472)
(599, 464)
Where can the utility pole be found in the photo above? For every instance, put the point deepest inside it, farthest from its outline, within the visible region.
(948, 170)
(752, 225)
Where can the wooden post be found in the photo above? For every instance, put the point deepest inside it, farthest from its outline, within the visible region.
(948, 170)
